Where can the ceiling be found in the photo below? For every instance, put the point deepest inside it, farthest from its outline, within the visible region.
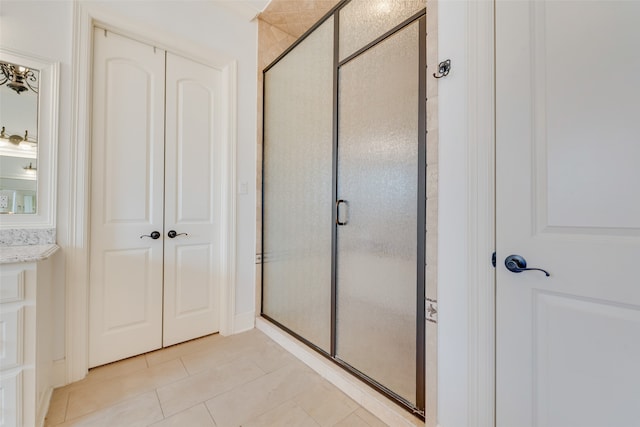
(295, 17)
(248, 9)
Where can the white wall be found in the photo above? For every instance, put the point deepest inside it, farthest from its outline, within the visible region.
(44, 28)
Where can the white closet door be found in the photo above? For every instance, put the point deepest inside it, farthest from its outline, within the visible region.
(192, 193)
(126, 198)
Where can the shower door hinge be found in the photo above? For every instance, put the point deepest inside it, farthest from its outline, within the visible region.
(431, 310)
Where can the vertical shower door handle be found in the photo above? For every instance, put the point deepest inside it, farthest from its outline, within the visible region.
(338, 203)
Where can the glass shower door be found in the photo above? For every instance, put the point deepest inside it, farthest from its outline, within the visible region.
(297, 200)
(377, 213)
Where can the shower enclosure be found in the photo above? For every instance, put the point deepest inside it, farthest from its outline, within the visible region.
(343, 249)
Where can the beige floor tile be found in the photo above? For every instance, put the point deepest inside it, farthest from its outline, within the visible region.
(369, 418)
(179, 350)
(57, 408)
(288, 414)
(198, 416)
(97, 395)
(108, 372)
(245, 379)
(352, 420)
(272, 357)
(195, 389)
(229, 349)
(326, 404)
(139, 411)
(116, 369)
(254, 398)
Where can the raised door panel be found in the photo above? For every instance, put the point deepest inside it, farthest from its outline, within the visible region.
(11, 337)
(11, 413)
(194, 152)
(126, 198)
(568, 201)
(11, 285)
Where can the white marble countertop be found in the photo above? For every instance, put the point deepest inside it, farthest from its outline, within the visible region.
(26, 253)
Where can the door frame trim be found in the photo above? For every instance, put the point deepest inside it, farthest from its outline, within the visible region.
(481, 196)
(466, 215)
(85, 16)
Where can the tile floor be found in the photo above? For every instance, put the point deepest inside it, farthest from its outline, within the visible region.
(242, 380)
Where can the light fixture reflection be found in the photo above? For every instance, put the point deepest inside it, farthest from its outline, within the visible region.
(18, 78)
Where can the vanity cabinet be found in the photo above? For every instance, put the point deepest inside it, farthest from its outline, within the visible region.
(25, 342)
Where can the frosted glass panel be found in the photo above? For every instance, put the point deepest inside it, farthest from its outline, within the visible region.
(298, 203)
(362, 21)
(377, 176)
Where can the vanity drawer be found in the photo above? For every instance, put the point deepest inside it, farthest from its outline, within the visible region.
(11, 285)
(10, 399)
(11, 334)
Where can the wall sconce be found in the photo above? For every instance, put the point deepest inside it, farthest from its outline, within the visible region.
(18, 78)
(16, 139)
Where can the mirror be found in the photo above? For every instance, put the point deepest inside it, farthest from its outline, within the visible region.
(28, 140)
(18, 138)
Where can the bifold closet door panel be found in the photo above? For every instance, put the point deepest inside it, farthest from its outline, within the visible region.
(127, 179)
(298, 201)
(378, 180)
(192, 199)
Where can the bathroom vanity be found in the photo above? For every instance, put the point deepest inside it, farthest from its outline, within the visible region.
(25, 333)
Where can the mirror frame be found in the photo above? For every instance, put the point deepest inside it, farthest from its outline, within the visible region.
(45, 216)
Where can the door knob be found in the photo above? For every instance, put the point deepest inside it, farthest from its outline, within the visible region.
(154, 235)
(517, 264)
(173, 233)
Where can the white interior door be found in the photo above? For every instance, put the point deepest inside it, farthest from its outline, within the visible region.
(568, 200)
(192, 194)
(126, 198)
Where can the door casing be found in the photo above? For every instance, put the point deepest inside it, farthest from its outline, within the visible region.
(465, 128)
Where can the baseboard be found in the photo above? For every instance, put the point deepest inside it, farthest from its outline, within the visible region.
(243, 322)
(59, 373)
(58, 377)
(374, 402)
(43, 407)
